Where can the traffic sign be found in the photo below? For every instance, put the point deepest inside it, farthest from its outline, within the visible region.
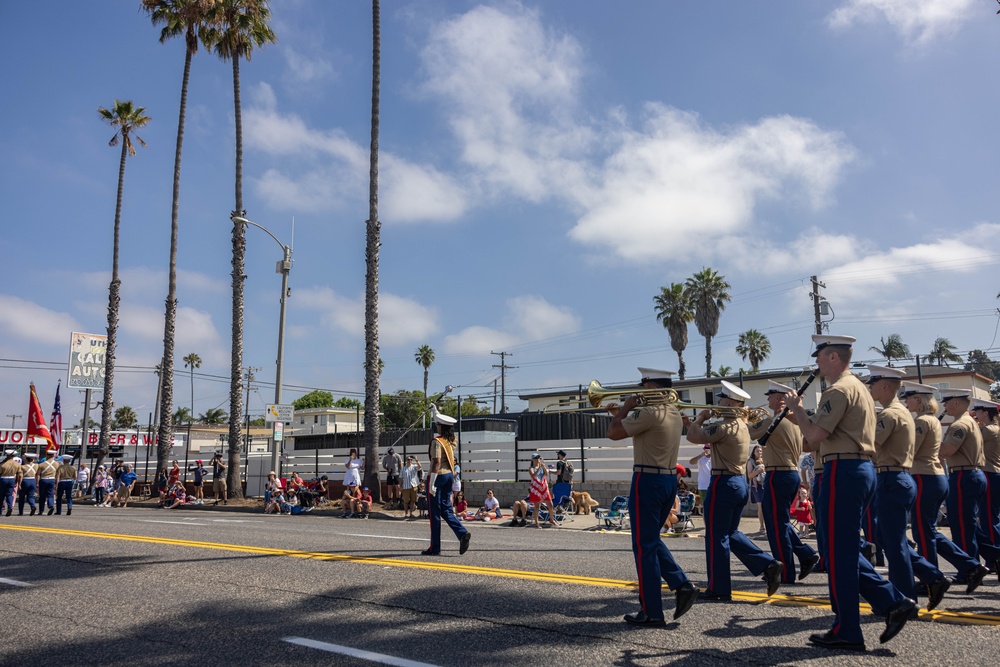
(279, 431)
(279, 413)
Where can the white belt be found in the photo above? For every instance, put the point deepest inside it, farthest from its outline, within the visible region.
(12, 477)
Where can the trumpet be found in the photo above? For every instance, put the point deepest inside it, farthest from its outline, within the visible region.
(598, 394)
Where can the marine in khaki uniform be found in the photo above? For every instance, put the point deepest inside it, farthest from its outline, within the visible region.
(962, 449)
(781, 461)
(28, 487)
(895, 490)
(932, 487)
(985, 414)
(844, 430)
(65, 478)
(10, 478)
(655, 429)
(727, 496)
(46, 480)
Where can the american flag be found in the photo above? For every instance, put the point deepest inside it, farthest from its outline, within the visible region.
(55, 428)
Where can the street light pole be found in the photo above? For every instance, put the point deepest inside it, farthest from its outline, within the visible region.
(284, 267)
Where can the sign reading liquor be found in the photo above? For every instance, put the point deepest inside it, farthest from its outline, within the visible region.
(86, 360)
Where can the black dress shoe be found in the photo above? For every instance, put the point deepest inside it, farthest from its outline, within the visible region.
(936, 591)
(975, 578)
(709, 596)
(51, 510)
(640, 619)
(899, 614)
(430, 552)
(32, 512)
(807, 566)
(772, 576)
(996, 567)
(9, 510)
(463, 544)
(68, 512)
(685, 597)
(828, 640)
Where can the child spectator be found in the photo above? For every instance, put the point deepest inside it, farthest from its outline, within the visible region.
(363, 505)
(462, 507)
(410, 478)
(176, 496)
(351, 494)
(100, 485)
(422, 500)
(274, 503)
(801, 510)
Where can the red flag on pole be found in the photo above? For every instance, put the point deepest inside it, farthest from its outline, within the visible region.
(55, 426)
(36, 421)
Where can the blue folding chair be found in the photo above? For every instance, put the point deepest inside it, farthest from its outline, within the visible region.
(616, 516)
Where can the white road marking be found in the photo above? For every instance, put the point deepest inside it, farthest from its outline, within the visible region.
(356, 653)
(179, 523)
(382, 537)
(14, 582)
(234, 521)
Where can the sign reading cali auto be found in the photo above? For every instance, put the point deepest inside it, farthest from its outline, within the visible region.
(86, 360)
(279, 413)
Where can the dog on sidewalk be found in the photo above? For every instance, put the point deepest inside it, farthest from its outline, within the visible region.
(582, 502)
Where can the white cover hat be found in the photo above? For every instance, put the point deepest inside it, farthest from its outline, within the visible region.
(444, 419)
(823, 340)
(980, 404)
(730, 390)
(655, 374)
(947, 394)
(883, 373)
(911, 388)
(778, 388)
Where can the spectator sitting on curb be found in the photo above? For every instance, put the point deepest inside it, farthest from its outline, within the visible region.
(274, 503)
(490, 509)
(363, 505)
(351, 494)
(176, 497)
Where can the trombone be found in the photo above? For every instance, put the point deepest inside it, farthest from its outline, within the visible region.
(598, 394)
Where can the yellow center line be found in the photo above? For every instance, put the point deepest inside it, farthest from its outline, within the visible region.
(792, 600)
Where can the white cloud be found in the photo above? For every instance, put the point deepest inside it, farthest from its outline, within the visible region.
(30, 322)
(478, 340)
(302, 69)
(401, 320)
(677, 182)
(329, 170)
(814, 248)
(529, 318)
(918, 22)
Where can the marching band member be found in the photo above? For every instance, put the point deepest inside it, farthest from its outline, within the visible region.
(781, 460)
(895, 490)
(439, 486)
(844, 430)
(28, 486)
(985, 414)
(727, 497)
(10, 476)
(932, 488)
(45, 478)
(962, 448)
(655, 430)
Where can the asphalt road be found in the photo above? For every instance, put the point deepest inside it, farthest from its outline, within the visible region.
(152, 587)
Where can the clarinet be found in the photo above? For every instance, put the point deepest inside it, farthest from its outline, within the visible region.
(762, 440)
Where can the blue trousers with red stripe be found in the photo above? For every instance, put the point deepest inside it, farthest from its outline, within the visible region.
(931, 492)
(847, 487)
(649, 503)
(727, 497)
(989, 510)
(780, 489)
(869, 526)
(966, 489)
(439, 507)
(895, 494)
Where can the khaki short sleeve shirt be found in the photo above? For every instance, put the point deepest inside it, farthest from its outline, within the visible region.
(964, 432)
(991, 447)
(784, 445)
(847, 412)
(656, 435)
(730, 440)
(895, 436)
(928, 442)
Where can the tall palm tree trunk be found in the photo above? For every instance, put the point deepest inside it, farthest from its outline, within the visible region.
(114, 300)
(239, 254)
(708, 356)
(372, 431)
(681, 368)
(165, 433)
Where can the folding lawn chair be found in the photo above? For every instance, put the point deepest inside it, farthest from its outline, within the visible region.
(616, 516)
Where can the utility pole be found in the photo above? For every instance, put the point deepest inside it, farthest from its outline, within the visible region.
(494, 395)
(13, 417)
(503, 378)
(250, 378)
(816, 285)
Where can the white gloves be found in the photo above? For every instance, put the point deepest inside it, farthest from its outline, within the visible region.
(432, 484)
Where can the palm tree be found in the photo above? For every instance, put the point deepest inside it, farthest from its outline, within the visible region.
(425, 357)
(125, 418)
(192, 361)
(213, 416)
(943, 351)
(182, 415)
(126, 119)
(755, 347)
(708, 292)
(724, 371)
(188, 18)
(673, 309)
(892, 348)
(238, 27)
(372, 242)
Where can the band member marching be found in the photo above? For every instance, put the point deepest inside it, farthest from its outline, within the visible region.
(844, 430)
(781, 459)
(985, 414)
(439, 486)
(10, 478)
(727, 496)
(655, 429)
(896, 492)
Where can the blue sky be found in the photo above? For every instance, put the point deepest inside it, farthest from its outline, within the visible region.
(545, 168)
